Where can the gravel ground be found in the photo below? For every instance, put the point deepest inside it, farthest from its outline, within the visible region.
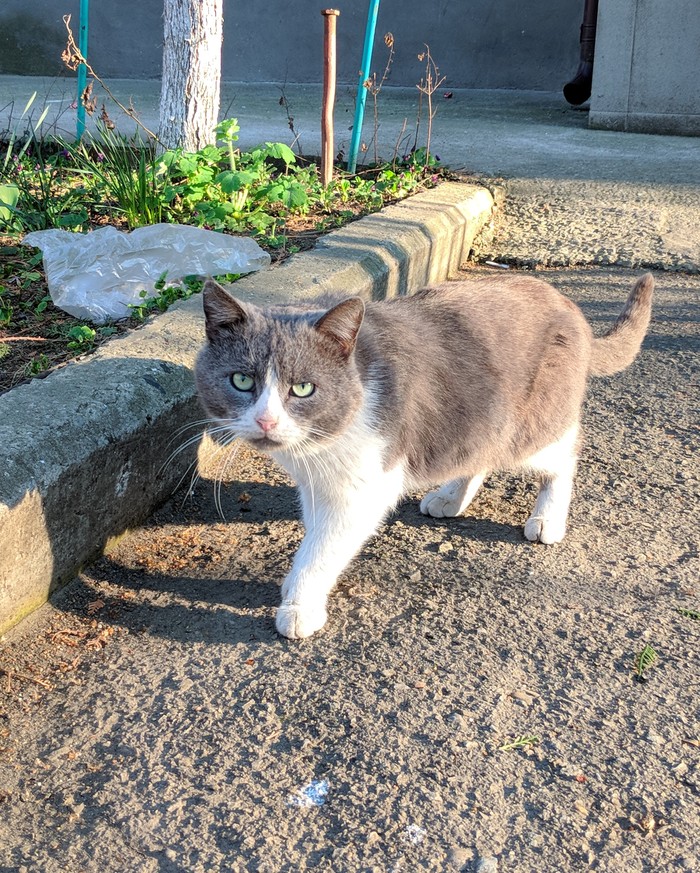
(472, 703)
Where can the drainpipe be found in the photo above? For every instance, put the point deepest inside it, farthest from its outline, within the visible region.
(578, 90)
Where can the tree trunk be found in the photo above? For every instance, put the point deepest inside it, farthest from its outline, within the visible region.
(190, 90)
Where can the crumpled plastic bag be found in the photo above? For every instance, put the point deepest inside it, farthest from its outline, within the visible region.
(97, 275)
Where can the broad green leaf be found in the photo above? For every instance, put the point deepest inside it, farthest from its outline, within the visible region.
(281, 152)
(234, 181)
(9, 195)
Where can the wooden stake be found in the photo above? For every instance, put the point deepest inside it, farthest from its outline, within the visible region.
(329, 67)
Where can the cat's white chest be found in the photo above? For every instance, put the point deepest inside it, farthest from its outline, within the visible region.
(351, 464)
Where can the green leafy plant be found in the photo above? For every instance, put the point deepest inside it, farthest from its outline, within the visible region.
(39, 364)
(9, 195)
(81, 338)
(7, 310)
(228, 132)
(166, 296)
(689, 613)
(44, 198)
(521, 742)
(124, 172)
(643, 661)
(222, 188)
(31, 194)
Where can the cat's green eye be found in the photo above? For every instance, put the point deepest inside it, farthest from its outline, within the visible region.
(241, 382)
(303, 389)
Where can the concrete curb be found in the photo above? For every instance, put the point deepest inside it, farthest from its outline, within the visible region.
(85, 448)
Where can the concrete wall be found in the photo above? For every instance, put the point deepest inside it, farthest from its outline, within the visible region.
(509, 44)
(646, 67)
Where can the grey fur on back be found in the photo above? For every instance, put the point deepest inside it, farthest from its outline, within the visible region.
(465, 376)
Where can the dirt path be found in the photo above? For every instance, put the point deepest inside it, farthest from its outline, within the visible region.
(471, 704)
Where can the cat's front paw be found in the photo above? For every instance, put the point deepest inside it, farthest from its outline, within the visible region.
(296, 622)
(545, 530)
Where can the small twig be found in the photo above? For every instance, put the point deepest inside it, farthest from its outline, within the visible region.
(12, 674)
(290, 118)
(60, 637)
(397, 147)
(23, 339)
(429, 86)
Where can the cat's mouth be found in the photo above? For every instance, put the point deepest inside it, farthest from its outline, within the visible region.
(267, 443)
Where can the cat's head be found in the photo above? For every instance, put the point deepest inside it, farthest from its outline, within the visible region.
(278, 378)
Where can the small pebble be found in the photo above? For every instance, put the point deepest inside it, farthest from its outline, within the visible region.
(487, 864)
(458, 858)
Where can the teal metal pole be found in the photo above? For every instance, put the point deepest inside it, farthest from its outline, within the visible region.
(82, 69)
(361, 90)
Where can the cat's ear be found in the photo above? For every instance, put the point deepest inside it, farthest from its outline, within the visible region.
(220, 309)
(342, 324)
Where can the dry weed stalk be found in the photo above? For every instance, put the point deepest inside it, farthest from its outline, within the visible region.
(374, 88)
(72, 57)
(428, 85)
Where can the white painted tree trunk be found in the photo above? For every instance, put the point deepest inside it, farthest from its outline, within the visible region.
(190, 90)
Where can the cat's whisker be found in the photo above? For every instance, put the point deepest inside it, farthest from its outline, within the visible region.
(221, 472)
(182, 478)
(314, 430)
(186, 427)
(194, 481)
(298, 459)
(321, 465)
(219, 448)
(181, 448)
(221, 428)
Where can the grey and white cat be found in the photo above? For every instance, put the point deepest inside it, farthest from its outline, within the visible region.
(364, 403)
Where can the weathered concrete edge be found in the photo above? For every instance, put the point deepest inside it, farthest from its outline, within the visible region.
(85, 448)
(665, 123)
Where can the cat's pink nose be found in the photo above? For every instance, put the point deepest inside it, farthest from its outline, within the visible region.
(266, 423)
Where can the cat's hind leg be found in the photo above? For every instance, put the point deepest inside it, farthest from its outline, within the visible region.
(452, 498)
(556, 465)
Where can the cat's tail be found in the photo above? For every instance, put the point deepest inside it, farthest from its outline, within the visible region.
(617, 349)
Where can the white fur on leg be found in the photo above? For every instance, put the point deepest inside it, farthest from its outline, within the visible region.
(556, 464)
(345, 494)
(297, 622)
(452, 498)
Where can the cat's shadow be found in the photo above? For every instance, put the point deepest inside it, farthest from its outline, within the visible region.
(264, 501)
(268, 502)
(184, 608)
(235, 603)
(473, 527)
